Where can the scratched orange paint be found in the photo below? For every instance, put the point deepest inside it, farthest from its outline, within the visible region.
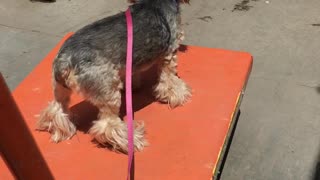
(185, 142)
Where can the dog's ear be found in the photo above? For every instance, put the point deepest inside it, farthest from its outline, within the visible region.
(185, 1)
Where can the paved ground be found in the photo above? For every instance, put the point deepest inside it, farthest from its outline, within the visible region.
(279, 130)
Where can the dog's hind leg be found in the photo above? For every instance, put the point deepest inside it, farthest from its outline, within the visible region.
(109, 129)
(170, 88)
(55, 117)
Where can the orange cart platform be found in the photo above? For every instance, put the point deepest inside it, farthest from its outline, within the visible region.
(186, 143)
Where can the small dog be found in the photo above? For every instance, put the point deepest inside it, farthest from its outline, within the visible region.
(92, 62)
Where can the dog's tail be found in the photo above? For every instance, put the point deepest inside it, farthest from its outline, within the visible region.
(61, 71)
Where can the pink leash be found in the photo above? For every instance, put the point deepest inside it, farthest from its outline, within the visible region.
(129, 92)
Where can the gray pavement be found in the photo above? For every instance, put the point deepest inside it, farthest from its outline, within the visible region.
(279, 129)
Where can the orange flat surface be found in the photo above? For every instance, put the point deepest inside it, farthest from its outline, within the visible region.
(185, 142)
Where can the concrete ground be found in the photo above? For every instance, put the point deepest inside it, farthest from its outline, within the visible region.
(279, 129)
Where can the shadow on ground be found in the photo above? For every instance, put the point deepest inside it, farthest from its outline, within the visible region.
(44, 1)
(318, 89)
(316, 172)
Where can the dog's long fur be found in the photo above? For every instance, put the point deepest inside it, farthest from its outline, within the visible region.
(92, 62)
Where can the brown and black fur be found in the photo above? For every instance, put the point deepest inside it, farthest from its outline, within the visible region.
(91, 61)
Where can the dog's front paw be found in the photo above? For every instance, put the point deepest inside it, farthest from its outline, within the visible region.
(173, 91)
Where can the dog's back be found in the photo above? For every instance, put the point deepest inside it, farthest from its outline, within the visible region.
(105, 40)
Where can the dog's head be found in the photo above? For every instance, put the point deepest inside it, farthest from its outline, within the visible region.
(184, 1)
(139, 1)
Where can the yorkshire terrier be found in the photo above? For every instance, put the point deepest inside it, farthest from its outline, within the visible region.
(92, 63)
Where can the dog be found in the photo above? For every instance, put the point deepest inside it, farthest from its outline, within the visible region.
(92, 63)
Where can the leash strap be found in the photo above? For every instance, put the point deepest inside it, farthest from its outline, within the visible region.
(129, 91)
